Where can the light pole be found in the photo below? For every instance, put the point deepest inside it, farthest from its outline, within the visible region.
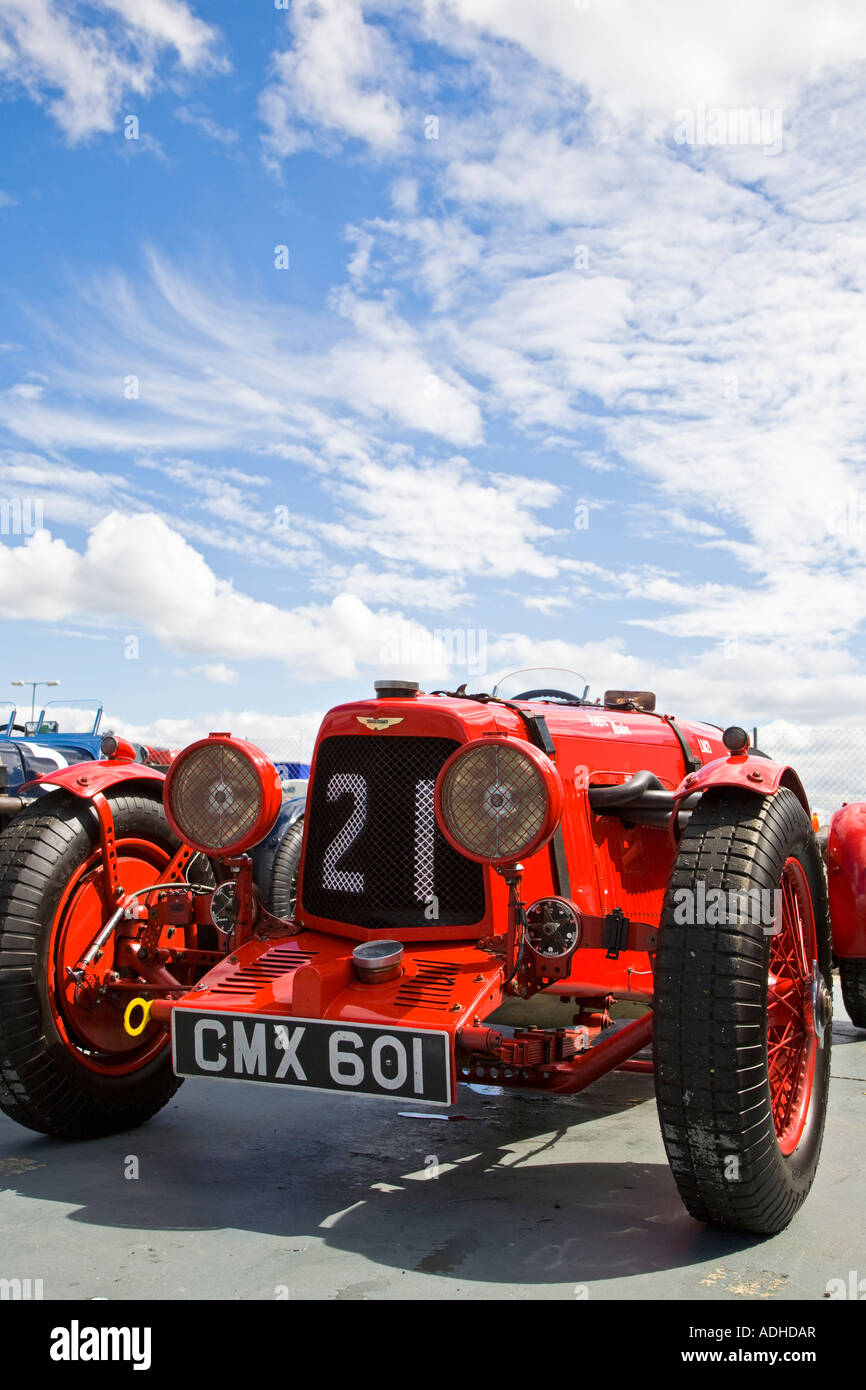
(34, 685)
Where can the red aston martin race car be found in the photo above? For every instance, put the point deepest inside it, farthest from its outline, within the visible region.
(521, 891)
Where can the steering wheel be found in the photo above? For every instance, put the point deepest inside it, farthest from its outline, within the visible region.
(543, 694)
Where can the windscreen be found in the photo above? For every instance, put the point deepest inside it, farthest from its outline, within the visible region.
(559, 683)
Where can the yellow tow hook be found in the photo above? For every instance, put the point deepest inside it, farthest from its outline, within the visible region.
(135, 1029)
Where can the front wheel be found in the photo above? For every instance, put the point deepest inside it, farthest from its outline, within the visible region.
(743, 999)
(67, 1066)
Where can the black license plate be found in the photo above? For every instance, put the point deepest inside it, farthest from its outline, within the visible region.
(354, 1058)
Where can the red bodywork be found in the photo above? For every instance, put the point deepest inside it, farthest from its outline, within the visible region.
(746, 773)
(846, 881)
(86, 779)
(456, 978)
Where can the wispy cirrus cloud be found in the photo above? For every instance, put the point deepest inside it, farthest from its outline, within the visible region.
(172, 365)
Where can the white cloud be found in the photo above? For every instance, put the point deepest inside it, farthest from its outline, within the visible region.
(138, 569)
(439, 593)
(27, 390)
(446, 517)
(64, 493)
(219, 673)
(285, 738)
(638, 58)
(739, 679)
(712, 337)
(84, 71)
(546, 603)
(335, 78)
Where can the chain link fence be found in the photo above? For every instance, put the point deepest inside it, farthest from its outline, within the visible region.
(830, 760)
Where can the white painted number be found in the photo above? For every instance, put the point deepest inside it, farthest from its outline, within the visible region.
(334, 879)
(425, 840)
(388, 1083)
(346, 1064)
(339, 1058)
(337, 880)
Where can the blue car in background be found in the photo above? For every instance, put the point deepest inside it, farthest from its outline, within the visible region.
(276, 859)
(37, 747)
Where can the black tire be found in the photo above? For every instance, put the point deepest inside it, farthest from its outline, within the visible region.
(852, 974)
(711, 1019)
(43, 1084)
(284, 878)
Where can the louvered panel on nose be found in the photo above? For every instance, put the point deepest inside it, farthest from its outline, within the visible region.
(431, 988)
(246, 979)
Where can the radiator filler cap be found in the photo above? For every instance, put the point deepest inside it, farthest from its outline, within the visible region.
(396, 690)
(376, 962)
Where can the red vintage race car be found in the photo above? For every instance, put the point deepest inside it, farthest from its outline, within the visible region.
(524, 892)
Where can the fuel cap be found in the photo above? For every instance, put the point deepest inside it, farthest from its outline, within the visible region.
(376, 962)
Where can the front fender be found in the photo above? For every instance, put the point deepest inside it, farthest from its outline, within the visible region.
(86, 779)
(846, 880)
(743, 772)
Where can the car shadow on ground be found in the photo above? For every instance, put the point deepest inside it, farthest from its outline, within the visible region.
(521, 1190)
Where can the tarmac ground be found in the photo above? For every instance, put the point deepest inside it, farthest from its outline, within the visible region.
(247, 1192)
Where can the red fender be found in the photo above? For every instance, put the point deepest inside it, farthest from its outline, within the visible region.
(846, 880)
(746, 773)
(86, 779)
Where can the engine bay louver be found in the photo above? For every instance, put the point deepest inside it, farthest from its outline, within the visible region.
(247, 979)
(431, 988)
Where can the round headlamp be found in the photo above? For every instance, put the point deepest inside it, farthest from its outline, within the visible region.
(498, 800)
(222, 795)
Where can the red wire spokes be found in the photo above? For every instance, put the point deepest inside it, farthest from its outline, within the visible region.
(791, 1043)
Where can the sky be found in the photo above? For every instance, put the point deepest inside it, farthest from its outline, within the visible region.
(344, 340)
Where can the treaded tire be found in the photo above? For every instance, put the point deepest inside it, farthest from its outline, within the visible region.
(284, 878)
(711, 1019)
(43, 1085)
(852, 974)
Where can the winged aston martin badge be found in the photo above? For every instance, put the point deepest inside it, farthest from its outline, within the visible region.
(377, 721)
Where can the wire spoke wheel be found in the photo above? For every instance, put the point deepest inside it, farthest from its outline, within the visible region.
(792, 1044)
(742, 1012)
(67, 1066)
(91, 1023)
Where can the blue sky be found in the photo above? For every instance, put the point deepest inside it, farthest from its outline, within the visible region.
(263, 487)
